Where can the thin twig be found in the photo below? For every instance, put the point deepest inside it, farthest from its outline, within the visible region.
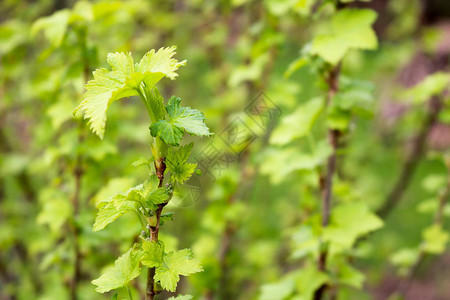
(327, 185)
(160, 167)
(411, 163)
(403, 286)
(78, 174)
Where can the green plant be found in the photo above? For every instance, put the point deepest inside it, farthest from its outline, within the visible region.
(168, 166)
(328, 234)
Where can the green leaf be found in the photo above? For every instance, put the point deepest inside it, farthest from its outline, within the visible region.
(106, 87)
(350, 276)
(292, 160)
(169, 133)
(176, 162)
(152, 194)
(166, 217)
(123, 81)
(250, 72)
(54, 26)
(125, 269)
(180, 119)
(141, 161)
(405, 257)
(279, 290)
(433, 85)
(175, 264)
(55, 213)
(295, 65)
(309, 280)
(107, 214)
(349, 29)
(338, 118)
(112, 208)
(153, 254)
(435, 239)
(298, 124)
(159, 63)
(120, 204)
(348, 222)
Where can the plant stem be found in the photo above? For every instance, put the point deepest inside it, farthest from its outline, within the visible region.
(411, 163)
(78, 173)
(403, 286)
(160, 167)
(327, 185)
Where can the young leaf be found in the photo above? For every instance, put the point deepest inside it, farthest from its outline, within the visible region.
(159, 64)
(110, 211)
(117, 206)
(350, 221)
(169, 133)
(141, 161)
(106, 87)
(297, 124)
(432, 85)
(309, 280)
(435, 239)
(349, 29)
(55, 213)
(54, 26)
(153, 195)
(153, 254)
(175, 264)
(124, 80)
(350, 276)
(180, 119)
(125, 269)
(279, 290)
(166, 217)
(176, 162)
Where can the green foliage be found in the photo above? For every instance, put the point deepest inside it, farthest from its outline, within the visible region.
(405, 258)
(54, 26)
(432, 85)
(125, 269)
(148, 199)
(180, 118)
(348, 222)
(153, 253)
(55, 213)
(255, 216)
(435, 239)
(349, 29)
(173, 265)
(124, 80)
(299, 123)
(303, 282)
(176, 161)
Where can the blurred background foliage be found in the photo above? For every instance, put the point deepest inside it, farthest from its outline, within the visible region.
(252, 218)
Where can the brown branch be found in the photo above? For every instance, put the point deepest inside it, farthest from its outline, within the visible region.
(403, 286)
(77, 173)
(327, 185)
(411, 163)
(160, 167)
(230, 230)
